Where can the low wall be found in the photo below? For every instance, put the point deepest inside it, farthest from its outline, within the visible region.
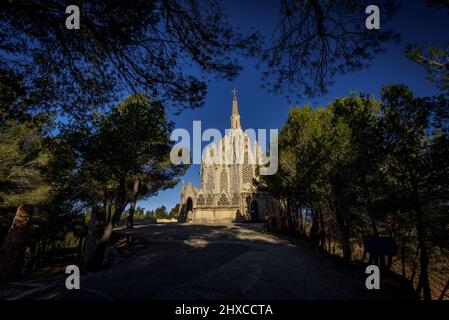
(216, 215)
(167, 220)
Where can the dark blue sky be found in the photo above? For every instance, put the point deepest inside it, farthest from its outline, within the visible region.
(258, 108)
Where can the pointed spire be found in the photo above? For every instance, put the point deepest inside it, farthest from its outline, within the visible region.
(235, 118)
(235, 109)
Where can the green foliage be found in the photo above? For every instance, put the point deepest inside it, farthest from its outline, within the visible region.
(139, 213)
(23, 145)
(362, 166)
(174, 212)
(22, 158)
(161, 212)
(130, 143)
(150, 215)
(435, 60)
(30, 176)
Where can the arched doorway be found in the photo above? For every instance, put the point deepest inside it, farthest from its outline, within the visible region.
(254, 211)
(189, 204)
(189, 210)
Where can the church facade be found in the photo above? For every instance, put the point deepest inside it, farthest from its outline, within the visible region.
(229, 171)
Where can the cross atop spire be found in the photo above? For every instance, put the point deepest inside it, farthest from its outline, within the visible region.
(234, 94)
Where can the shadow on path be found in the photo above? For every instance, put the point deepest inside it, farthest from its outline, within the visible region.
(235, 261)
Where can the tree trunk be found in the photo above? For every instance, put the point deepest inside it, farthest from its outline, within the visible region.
(109, 216)
(413, 274)
(423, 279)
(424, 260)
(322, 232)
(79, 254)
(443, 292)
(132, 208)
(370, 210)
(314, 229)
(420, 232)
(347, 255)
(289, 216)
(120, 203)
(373, 226)
(95, 229)
(340, 210)
(344, 238)
(301, 220)
(403, 270)
(343, 230)
(12, 251)
(98, 235)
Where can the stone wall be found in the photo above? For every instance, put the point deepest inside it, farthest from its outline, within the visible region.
(214, 215)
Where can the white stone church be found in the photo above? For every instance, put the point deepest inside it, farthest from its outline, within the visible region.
(227, 192)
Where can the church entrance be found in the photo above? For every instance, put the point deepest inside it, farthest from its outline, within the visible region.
(254, 211)
(189, 204)
(189, 210)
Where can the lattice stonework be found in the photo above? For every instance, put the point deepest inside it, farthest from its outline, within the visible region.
(235, 199)
(223, 180)
(223, 201)
(200, 200)
(209, 200)
(210, 185)
(247, 169)
(234, 177)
